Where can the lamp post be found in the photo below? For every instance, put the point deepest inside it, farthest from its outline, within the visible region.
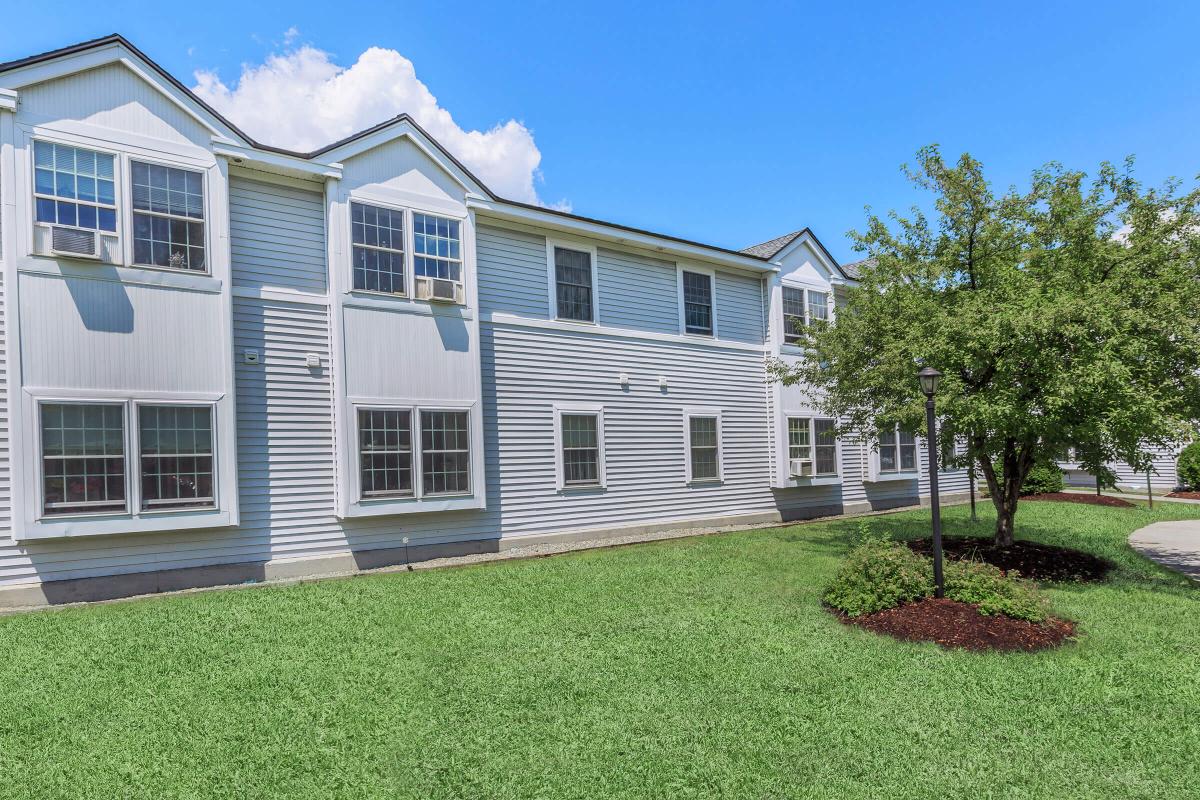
(930, 378)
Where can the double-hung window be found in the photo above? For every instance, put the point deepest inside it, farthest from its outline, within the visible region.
(897, 450)
(437, 247)
(697, 302)
(168, 217)
(83, 458)
(815, 440)
(703, 446)
(385, 452)
(573, 290)
(74, 187)
(580, 435)
(377, 248)
(802, 308)
(85, 468)
(176, 444)
(445, 453)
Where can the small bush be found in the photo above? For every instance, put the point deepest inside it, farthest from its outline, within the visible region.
(1189, 467)
(993, 592)
(1043, 478)
(877, 575)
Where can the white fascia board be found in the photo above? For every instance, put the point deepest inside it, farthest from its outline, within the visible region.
(280, 163)
(622, 236)
(8, 100)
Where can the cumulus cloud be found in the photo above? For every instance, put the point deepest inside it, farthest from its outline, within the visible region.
(300, 99)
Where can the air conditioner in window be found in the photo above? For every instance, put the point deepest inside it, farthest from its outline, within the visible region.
(78, 242)
(439, 290)
(801, 467)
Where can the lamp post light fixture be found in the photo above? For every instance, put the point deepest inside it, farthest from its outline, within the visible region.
(930, 378)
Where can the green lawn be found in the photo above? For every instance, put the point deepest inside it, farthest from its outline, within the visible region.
(694, 668)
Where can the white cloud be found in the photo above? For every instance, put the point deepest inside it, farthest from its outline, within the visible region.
(300, 99)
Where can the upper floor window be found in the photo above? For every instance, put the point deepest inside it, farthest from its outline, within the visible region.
(377, 241)
(168, 217)
(74, 187)
(812, 440)
(436, 247)
(801, 308)
(897, 450)
(697, 303)
(573, 289)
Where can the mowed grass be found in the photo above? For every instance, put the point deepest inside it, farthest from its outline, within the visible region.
(703, 667)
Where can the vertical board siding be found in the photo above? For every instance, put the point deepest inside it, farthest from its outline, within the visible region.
(637, 292)
(277, 236)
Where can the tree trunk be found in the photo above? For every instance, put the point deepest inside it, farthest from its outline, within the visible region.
(1006, 488)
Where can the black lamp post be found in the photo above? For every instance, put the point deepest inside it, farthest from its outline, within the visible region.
(930, 378)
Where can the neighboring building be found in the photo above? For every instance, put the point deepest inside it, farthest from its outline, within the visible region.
(1164, 477)
(225, 361)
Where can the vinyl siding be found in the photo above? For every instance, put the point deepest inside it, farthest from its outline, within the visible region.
(637, 292)
(512, 272)
(277, 236)
(1166, 474)
(740, 303)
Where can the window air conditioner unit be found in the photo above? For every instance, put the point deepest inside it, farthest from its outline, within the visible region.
(801, 467)
(439, 290)
(78, 242)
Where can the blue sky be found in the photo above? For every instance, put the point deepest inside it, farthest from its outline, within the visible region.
(730, 123)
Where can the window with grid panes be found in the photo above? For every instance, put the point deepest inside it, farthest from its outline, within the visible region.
(436, 247)
(573, 284)
(703, 448)
(176, 444)
(168, 217)
(385, 452)
(377, 248)
(445, 452)
(83, 458)
(580, 449)
(74, 187)
(697, 303)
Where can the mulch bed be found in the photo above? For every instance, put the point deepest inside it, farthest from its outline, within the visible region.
(954, 624)
(1039, 562)
(1186, 495)
(1086, 499)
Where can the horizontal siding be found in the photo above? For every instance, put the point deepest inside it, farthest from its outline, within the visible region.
(277, 236)
(637, 292)
(1165, 475)
(512, 272)
(740, 302)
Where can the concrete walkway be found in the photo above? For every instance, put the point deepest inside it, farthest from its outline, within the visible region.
(1175, 545)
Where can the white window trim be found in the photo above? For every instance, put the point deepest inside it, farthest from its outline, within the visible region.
(134, 519)
(834, 477)
(712, 278)
(406, 260)
(559, 470)
(126, 225)
(33, 194)
(552, 279)
(807, 288)
(702, 412)
(876, 474)
(418, 499)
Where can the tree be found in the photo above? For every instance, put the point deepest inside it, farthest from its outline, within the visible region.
(1067, 314)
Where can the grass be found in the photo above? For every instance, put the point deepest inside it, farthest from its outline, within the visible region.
(692, 668)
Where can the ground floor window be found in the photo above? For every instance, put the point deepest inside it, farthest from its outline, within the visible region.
(406, 452)
(704, 446)
(580, 449)
(813, 439)
(445, 452)
(897, 450)
(385, 452)
(83, 458)
(176, 449)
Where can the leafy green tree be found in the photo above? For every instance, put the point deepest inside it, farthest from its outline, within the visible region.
(1067, 313)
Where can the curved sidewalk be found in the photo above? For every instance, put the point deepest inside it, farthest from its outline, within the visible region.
(1175, 545)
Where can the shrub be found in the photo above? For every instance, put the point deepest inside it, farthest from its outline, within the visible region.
(877, 575)
(1043, 478)
(1189, 466)
(993, 592)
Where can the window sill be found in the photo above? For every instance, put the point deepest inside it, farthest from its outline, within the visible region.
(702, 482)
(403, 304)
(590, 488)
(888, 477)
(815, 480)
(123, 523)
(67, 267)
(396, 506)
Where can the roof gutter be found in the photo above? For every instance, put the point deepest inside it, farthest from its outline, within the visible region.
(512, 211)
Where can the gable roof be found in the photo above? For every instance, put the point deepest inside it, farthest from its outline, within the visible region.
(769, 249)
(763, 252)
(854, 269)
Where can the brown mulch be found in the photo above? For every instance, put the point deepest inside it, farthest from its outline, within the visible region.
(1086, 499)
(1039, 562)
(1186, 495)
(954, 624)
